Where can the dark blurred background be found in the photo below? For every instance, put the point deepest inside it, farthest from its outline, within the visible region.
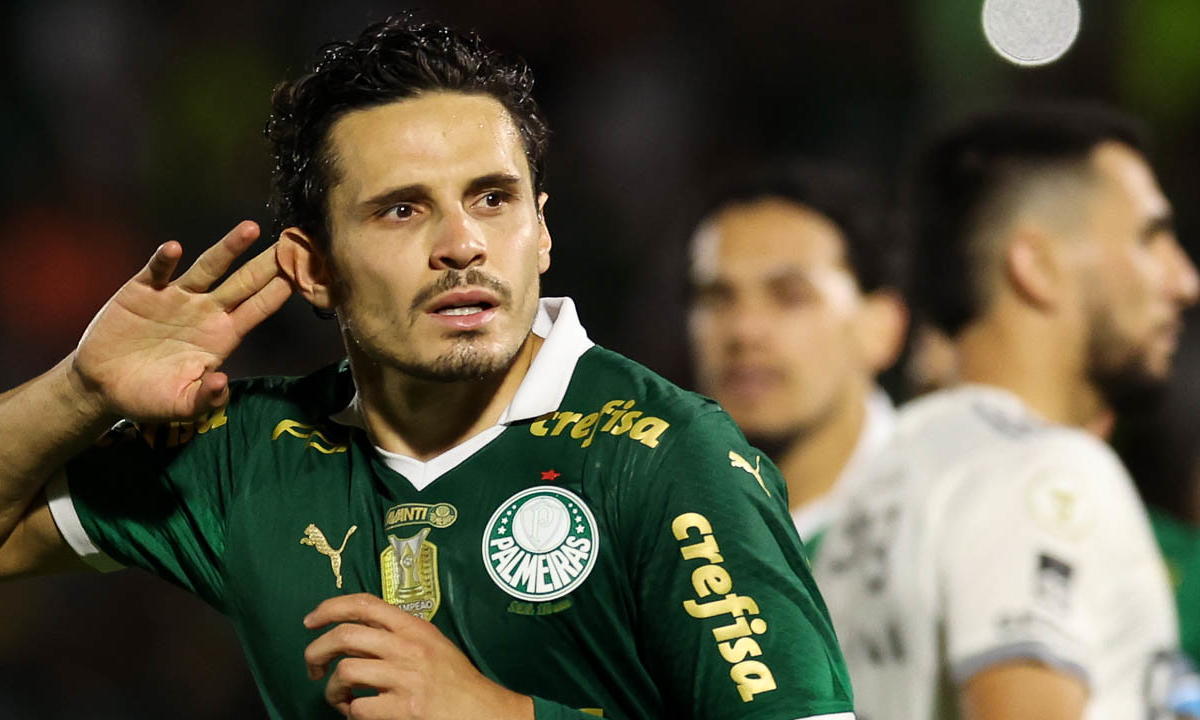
(124, 124)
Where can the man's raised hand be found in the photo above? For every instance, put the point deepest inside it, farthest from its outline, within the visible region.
(154, 350)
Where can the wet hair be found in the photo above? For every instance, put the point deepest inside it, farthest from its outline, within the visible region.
(845, 196)
(959, 178)
(393, 60)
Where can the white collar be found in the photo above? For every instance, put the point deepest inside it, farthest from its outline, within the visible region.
(879, 422)
(541, 391)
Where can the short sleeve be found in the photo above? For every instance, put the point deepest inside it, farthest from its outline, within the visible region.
(731, 623)
(1021, 565)
(153, 497)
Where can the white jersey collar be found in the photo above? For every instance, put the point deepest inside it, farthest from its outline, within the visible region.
(541, 391)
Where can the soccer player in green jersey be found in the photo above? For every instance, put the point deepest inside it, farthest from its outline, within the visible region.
(479, 513)
(787, 259)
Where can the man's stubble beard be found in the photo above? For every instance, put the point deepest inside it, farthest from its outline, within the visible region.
(1119, 370)
(465, 361)
(468, 358)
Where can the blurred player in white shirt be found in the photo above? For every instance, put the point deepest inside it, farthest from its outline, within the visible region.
(795, 308)
(999, 564)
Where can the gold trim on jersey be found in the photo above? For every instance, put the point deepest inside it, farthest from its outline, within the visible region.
(297, 429)
(409, 569)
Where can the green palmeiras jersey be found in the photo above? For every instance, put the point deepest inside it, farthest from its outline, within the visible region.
(611, 546)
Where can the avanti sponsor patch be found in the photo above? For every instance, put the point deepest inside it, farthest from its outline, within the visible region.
(541, 544)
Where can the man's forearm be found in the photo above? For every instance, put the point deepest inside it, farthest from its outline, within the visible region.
(44, 423)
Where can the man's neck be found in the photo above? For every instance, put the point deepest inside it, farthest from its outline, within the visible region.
(812, 464)
(424, 418)
(1034, 361)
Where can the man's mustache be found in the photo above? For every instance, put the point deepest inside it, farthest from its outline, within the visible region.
(451, 279)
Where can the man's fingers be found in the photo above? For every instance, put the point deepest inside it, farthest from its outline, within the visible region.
(247, 280)
(208, 393)
(346, 639)
(355, 674)
(372, 707)
(215, 261)
(359, 608)
(157, 272)
(261, 305)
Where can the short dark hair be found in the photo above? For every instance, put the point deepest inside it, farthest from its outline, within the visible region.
(846, 196)
(957, 178)
(392, 60)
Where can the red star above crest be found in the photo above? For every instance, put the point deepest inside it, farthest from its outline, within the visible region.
(550, 475)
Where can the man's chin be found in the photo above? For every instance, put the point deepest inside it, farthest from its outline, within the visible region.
(1131, 389)
(467, 361)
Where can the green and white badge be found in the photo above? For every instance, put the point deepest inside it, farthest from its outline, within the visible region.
(541, 543)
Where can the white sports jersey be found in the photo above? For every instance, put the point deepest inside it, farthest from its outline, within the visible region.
(985, 535)
(812, 518)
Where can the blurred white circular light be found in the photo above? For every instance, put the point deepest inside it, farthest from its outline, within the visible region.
(1031, 32)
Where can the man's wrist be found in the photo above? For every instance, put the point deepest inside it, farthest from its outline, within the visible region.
(84, 396)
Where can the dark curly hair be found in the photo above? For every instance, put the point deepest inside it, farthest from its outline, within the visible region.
(398, 58)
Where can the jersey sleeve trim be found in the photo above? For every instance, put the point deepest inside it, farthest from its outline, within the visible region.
(967, 668)
(834, 716)
(62, 509)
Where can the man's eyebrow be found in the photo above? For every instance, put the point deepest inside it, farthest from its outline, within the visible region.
(395, 196)
(417, 192)
(502, 181)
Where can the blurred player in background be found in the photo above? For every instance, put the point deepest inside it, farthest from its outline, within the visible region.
(795, 308)
(999, 563)
(480, 513)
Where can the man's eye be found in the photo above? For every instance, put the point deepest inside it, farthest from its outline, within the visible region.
(494, 199)
(401, 212)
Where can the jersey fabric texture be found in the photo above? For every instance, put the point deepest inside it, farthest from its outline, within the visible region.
(612, 545)
(987, 535)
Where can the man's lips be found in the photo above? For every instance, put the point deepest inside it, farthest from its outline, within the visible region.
(750, 380)
(467, 309)
(455, 301)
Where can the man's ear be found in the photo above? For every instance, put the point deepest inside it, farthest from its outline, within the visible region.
(881, 325)
(306, 266)
(1035, 267)
(544, 241)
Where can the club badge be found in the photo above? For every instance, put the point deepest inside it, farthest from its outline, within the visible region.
(541, 544)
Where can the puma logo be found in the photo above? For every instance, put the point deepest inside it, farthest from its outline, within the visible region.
(738, 461)
(316, 539)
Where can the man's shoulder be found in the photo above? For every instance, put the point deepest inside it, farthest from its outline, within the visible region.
(291, 404)
(608, 382)
(989, 426)
(322, 392)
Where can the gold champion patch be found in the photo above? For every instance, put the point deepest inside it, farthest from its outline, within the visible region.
(409, 569)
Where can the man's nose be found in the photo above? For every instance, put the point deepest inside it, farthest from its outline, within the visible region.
(459, 244)
(1184, 281)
